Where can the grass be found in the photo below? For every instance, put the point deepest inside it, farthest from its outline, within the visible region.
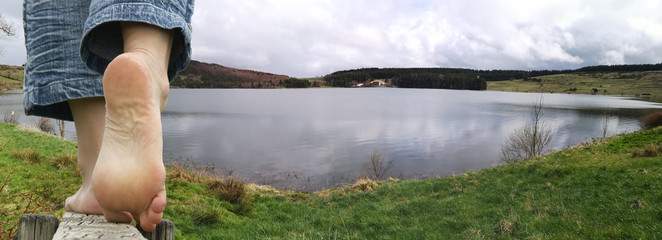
(607, 189)
(623, 84)
(11, 77)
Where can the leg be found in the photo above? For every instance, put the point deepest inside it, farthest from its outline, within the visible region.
(89, 117)
(129, 176)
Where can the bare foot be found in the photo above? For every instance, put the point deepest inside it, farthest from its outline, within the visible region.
(83, 201)
(89, 115)
(129, 176)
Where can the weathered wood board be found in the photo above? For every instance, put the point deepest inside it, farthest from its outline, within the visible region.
(86, 226)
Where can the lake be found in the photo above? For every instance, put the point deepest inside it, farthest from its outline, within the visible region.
(307, 139)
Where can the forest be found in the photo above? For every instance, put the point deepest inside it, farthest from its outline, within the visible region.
(460, 78)
(622, 68)
(447, 78)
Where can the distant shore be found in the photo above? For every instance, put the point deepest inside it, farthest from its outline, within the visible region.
(645, 85)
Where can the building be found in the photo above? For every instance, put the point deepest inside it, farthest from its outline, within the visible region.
(377, 83)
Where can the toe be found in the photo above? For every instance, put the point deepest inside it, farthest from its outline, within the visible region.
(154, 214)
(68, 204)
(155, 211)
(158, 204)
(146, 224)
(115, 216)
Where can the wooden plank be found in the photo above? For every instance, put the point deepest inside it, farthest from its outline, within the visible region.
(87, 226)
(165, 230)
(36, 227)
(84, 226)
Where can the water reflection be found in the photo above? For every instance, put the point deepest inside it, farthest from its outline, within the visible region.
(331, 132)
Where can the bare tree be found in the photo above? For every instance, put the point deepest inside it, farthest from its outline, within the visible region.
(46, 125)
(8, 29)
(60, 125)
(529, 141)
(10, 117)
(378, 167)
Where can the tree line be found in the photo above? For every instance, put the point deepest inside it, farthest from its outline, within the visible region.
(448, 81)
(622, 68)
(460, 78)
(450, 78)
(230, 81)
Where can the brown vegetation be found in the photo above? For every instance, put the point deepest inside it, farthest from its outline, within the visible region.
(46, 125)
(209, 75)
(29, 155)
(60, 125)
(505, 227)
(182, 173)
(64, 160)
(229, 189)
(34, 202)
(651, 121)
(364, 185)
(652, 150)
(232, 190)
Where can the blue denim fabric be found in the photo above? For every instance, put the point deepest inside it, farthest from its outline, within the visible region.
(70, 43)
(102, 40)
(54, 72)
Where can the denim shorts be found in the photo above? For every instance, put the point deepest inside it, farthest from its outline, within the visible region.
(70, 43)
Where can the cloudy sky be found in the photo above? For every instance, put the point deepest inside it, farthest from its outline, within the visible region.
(306, 38)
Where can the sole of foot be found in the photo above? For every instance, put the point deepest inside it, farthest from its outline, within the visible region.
(129, 176)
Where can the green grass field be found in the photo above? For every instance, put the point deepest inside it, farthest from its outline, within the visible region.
(11, 77)
(622, 84)
(607, 189)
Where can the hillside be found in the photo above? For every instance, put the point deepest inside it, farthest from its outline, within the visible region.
(11, 77)
(607, 189)
(633, 83)
(209, 75)
(197, 75)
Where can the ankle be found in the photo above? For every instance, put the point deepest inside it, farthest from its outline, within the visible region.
(153, 41)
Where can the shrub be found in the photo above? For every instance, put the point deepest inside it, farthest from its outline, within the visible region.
(653, 150)
(232, 190)
(651, 121)
(29, 155)
(64, 160)
(364, 185)
(198, 213)
(25, 202)
(46, 125)
(530, 141)
(505, 227)
(378, 167)
(10, 117)
(203, 217)
(474, 234)
(639, 204)
(179, 172)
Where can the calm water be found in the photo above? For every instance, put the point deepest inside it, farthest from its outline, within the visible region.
(314, 138)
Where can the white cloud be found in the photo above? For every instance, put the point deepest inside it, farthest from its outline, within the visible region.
(315, 37)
